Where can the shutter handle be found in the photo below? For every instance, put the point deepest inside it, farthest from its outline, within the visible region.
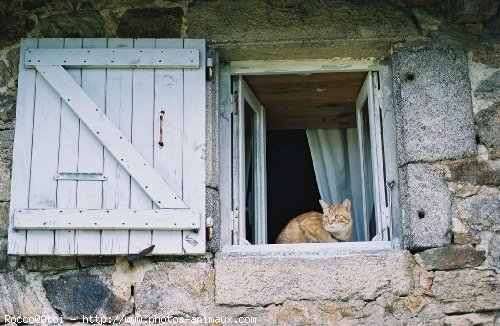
(160, 143)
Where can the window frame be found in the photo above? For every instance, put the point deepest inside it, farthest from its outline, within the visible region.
(383, 99)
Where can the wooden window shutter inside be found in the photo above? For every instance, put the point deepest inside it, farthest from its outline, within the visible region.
(109, 147)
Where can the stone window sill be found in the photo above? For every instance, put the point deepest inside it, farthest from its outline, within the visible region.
(273, 274)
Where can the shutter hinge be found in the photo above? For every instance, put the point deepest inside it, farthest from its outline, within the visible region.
(234, 103)
(210, 228)
(210, 69)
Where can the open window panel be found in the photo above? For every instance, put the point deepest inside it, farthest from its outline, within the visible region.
(297, 138)
(249, 169)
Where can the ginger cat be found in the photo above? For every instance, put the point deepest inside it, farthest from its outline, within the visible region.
(333, 225)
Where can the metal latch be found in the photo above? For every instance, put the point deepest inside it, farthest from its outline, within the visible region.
(82, 176)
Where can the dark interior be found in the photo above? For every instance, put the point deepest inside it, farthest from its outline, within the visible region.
(291, 183)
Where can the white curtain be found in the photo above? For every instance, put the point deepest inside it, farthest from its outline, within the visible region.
(337, 166)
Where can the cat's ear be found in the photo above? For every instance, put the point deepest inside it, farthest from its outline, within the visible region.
(323, 204)
(347, 205)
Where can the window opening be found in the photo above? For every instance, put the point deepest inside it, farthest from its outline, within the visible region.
(294, 108)
(288, 152)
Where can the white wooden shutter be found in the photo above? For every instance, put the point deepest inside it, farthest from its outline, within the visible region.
(89, 175)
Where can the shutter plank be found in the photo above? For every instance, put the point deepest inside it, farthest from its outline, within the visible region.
(68, 161)
(90, 156)
(168, 160)
(22, 147)
(194, 148)
(142, 139)
(116, 190)
(168, 97)
(45, 153)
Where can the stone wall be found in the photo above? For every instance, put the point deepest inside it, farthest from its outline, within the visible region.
(447, 101)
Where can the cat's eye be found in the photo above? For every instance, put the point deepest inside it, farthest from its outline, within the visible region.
(325, 217)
